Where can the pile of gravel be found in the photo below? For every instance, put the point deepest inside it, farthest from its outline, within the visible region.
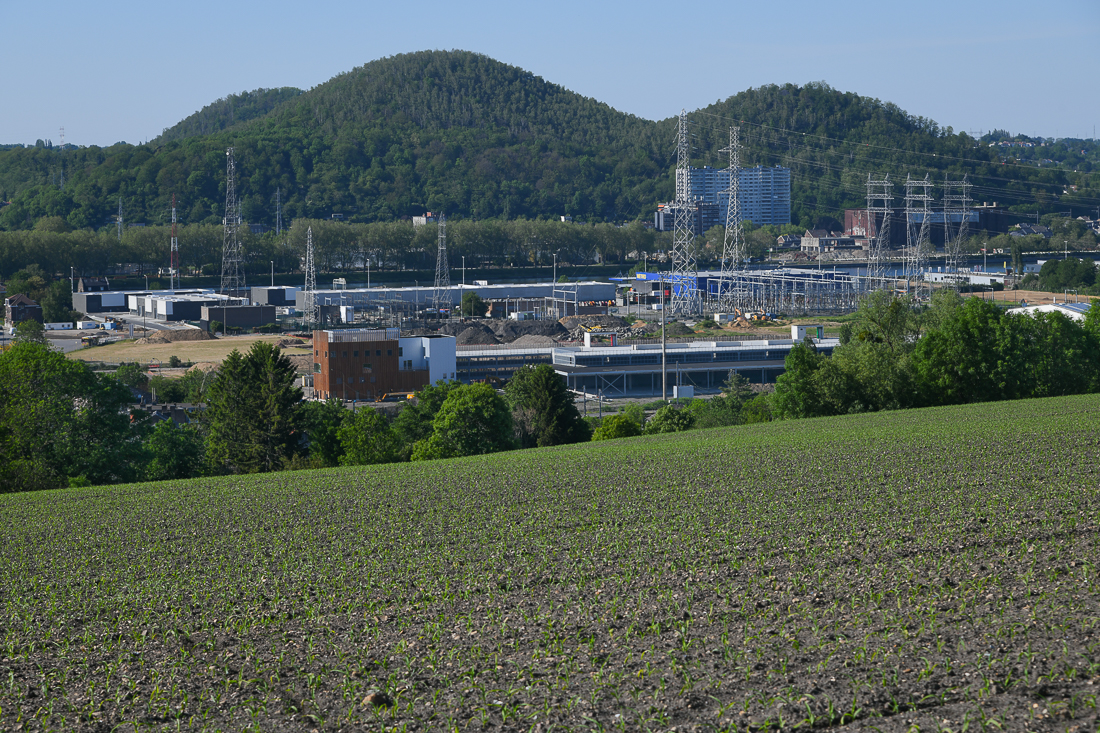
(476, 335)
(534, 340)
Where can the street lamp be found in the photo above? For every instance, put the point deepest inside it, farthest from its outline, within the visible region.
(555, 267)
(272, 272)
(463, 271)
(146, 282)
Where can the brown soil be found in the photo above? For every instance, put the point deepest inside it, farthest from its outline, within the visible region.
(207, 350)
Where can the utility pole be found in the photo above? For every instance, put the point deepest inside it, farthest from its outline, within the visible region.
(664, 355)
(442, 293)
(733, 245)
(956, 202)
(554, 277)
(879, 201)
(174, 253)
(120, 218)
(278, 212)
(308, 298)
(917, 206)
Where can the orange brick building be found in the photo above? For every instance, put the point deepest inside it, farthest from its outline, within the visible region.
(363, 363)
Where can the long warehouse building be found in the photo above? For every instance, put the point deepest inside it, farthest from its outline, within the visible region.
(579, 292)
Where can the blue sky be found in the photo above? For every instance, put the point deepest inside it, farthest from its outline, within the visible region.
(124, 70)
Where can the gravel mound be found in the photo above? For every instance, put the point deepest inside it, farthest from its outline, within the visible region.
(508, 331)
(609, 322)
(154, 339)
(534, 340)
(182, 334)
(476, 335)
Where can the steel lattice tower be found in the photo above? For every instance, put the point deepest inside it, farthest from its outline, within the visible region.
(917, 206)
(231, 243)
(879, 201)
(733, 245)
(309, 303)
(441, 294)
(684, 272)
(956, 202)
(278, 212)
(173, 252)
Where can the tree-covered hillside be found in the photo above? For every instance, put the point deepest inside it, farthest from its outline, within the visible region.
(460, 132)
(228, 112)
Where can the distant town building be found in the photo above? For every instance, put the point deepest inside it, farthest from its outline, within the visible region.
(817, 241)
(703, 216)
(356, 364)
(765, 192)
(19, 308)
(1032, 229)
(92, 285)
(788, 241)
(428, 218)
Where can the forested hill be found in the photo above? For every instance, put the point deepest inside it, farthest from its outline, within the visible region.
(228, 112)
(460, 132)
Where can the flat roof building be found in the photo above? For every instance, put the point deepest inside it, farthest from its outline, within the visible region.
(367, 363)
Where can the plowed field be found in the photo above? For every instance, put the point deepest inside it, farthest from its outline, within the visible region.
(932, 568)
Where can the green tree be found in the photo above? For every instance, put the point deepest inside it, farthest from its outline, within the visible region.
(414, 422)
(57, 303)
(543, 409)
(175, 452)
(168, 389)
(367, 438)
(321, 422)
(30, 332)
(132, 375)
(796, 391)
(617, 426)
(472, 304)
(670, 419)
(960, 360)
(756, 410)
(473, 420)
(60, 422)
(251, 410)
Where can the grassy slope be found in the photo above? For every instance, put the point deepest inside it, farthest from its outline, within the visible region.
(923, 566)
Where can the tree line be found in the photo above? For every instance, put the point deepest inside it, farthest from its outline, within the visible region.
(342, 247)
(61, 423)
(893, 356)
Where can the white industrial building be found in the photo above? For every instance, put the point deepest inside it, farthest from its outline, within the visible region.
(580, 292)
(1074, 311)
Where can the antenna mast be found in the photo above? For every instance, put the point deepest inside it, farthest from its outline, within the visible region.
(231, 245)
(733, 246)
(174, 253)
(308, 298)
(441, 294)
(879, 201)
(685, 294)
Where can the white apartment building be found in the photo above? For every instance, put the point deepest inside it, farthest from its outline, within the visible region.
(765, 192)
